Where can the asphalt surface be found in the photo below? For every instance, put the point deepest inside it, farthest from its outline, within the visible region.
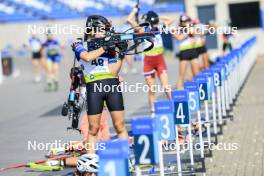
(245, 131)
(29, 115)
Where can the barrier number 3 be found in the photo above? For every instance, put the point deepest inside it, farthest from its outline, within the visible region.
(165, 119)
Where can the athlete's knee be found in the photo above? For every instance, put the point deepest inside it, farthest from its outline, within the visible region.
(93, 129)
(119, 126)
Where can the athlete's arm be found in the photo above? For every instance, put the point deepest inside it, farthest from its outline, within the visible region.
(92, 55)
(82, 53)
(116, 67)
(178, 36)
(167, 21)
(131, 19)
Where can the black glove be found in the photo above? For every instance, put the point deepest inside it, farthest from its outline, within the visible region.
(109, 44)
(122, 46)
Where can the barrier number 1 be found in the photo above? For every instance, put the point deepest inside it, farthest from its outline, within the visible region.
(110, 168)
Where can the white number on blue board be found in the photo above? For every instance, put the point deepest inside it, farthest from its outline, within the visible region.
(216, 79)
(201, 91)
(192, 101)
(165, 119)
(143, 158)
(180, 114)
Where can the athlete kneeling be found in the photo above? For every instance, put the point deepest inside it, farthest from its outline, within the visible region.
(100, 67)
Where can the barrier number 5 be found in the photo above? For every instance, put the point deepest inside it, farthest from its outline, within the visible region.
(192, 101)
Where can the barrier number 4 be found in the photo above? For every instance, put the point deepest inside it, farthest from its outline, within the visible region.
(180, 114)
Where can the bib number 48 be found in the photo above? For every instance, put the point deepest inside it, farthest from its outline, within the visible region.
(98, 62)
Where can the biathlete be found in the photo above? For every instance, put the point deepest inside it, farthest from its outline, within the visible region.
(101, 66)
(200, 43)
(35, 47)
(188, 53)
(53, 57)
(227, 44)
(154, 62)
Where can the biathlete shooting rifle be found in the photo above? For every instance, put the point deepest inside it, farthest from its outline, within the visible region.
(72, 108)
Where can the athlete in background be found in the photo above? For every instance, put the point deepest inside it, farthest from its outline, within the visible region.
(53, 57)
(35, 47)
(154, 62)
(227, 44)
(200, 44)
(188, 53)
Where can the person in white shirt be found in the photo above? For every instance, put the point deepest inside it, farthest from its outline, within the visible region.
(35, 47)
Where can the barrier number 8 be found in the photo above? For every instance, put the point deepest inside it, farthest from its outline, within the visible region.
(216, 79)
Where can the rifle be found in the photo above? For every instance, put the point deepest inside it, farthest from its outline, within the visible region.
(137, 14)
(121, 40)
(72, 108)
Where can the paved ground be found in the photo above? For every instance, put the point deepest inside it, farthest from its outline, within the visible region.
(30, 114)
(246, 131)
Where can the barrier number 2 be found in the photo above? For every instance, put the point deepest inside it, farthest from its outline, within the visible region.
(143, 158)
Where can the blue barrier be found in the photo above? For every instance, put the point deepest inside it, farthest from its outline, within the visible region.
(219, 84)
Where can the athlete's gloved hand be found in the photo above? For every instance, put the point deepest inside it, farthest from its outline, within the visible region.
(109, 44)
(78, 48)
